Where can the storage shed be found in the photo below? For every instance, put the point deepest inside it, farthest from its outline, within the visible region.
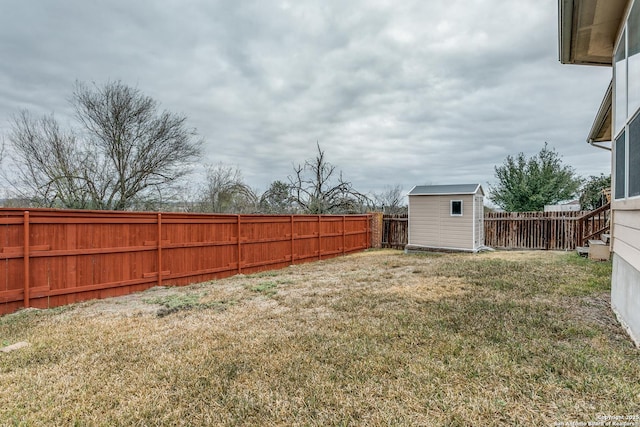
(448, 217)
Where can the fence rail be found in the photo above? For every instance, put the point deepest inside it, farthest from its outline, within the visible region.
(52, 257)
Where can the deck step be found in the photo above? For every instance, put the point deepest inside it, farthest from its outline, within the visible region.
(582, 250)
(599, 250)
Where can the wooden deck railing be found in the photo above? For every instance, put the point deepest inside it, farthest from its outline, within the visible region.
(594, 224)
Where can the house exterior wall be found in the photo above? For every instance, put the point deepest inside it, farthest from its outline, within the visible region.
(625, 294)
(625, 233)
(431, 224)
(626, 236)
(625, 278)
(607, 32)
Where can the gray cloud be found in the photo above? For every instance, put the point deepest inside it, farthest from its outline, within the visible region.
(396, 93)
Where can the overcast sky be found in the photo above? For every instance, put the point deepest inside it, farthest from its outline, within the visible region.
(396, 92)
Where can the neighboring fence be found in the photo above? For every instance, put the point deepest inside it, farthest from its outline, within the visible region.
(543, 230)
(520, 230)
(50, 257)
(395, 231)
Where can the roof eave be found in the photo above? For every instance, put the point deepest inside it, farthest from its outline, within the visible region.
(601, 128)
(587, 30)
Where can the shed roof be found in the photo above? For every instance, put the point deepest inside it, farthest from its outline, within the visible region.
(433, 190)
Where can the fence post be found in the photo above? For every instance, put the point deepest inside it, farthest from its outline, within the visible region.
(319, 238)
(239, 249)
(376, 224)
(293, 261)
(26, 260)
(159, 249)
(344, 229)
(547, 233)
(579, 231)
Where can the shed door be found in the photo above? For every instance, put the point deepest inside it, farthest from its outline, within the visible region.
(478, 218)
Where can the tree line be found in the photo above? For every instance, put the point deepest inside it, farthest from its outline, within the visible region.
(125, 153)
(528, 184)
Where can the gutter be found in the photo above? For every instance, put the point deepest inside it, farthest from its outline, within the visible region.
(565, 20)
(602, 117)
(595, 144)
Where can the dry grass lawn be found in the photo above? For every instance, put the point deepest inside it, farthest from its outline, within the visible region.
(377, 338)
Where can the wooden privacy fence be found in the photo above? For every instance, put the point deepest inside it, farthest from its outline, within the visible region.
(395, 231)
(51, 257)
(543, 230)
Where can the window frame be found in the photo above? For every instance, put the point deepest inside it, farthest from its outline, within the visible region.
(461, 208)
(619, 155)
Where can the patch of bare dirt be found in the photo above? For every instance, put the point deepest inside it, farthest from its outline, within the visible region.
(314, 286)
(521, 255)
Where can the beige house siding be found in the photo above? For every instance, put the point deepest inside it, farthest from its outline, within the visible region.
(432, 225)
(625, 278)
(626, 236)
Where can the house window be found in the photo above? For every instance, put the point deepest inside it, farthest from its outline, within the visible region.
(626, 72)
(620, 89)
(456, 208)
(633, 61)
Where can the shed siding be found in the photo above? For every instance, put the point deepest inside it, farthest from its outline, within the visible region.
(478, 232)
(431, 223)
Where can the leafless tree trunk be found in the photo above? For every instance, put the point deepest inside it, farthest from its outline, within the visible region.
(318, 189)
(126, 152)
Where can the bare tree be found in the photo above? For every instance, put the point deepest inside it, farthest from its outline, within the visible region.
(391, 200)
(277, 199)
(318, 188)
(53, 169)
(226, 192)
(126, 153)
